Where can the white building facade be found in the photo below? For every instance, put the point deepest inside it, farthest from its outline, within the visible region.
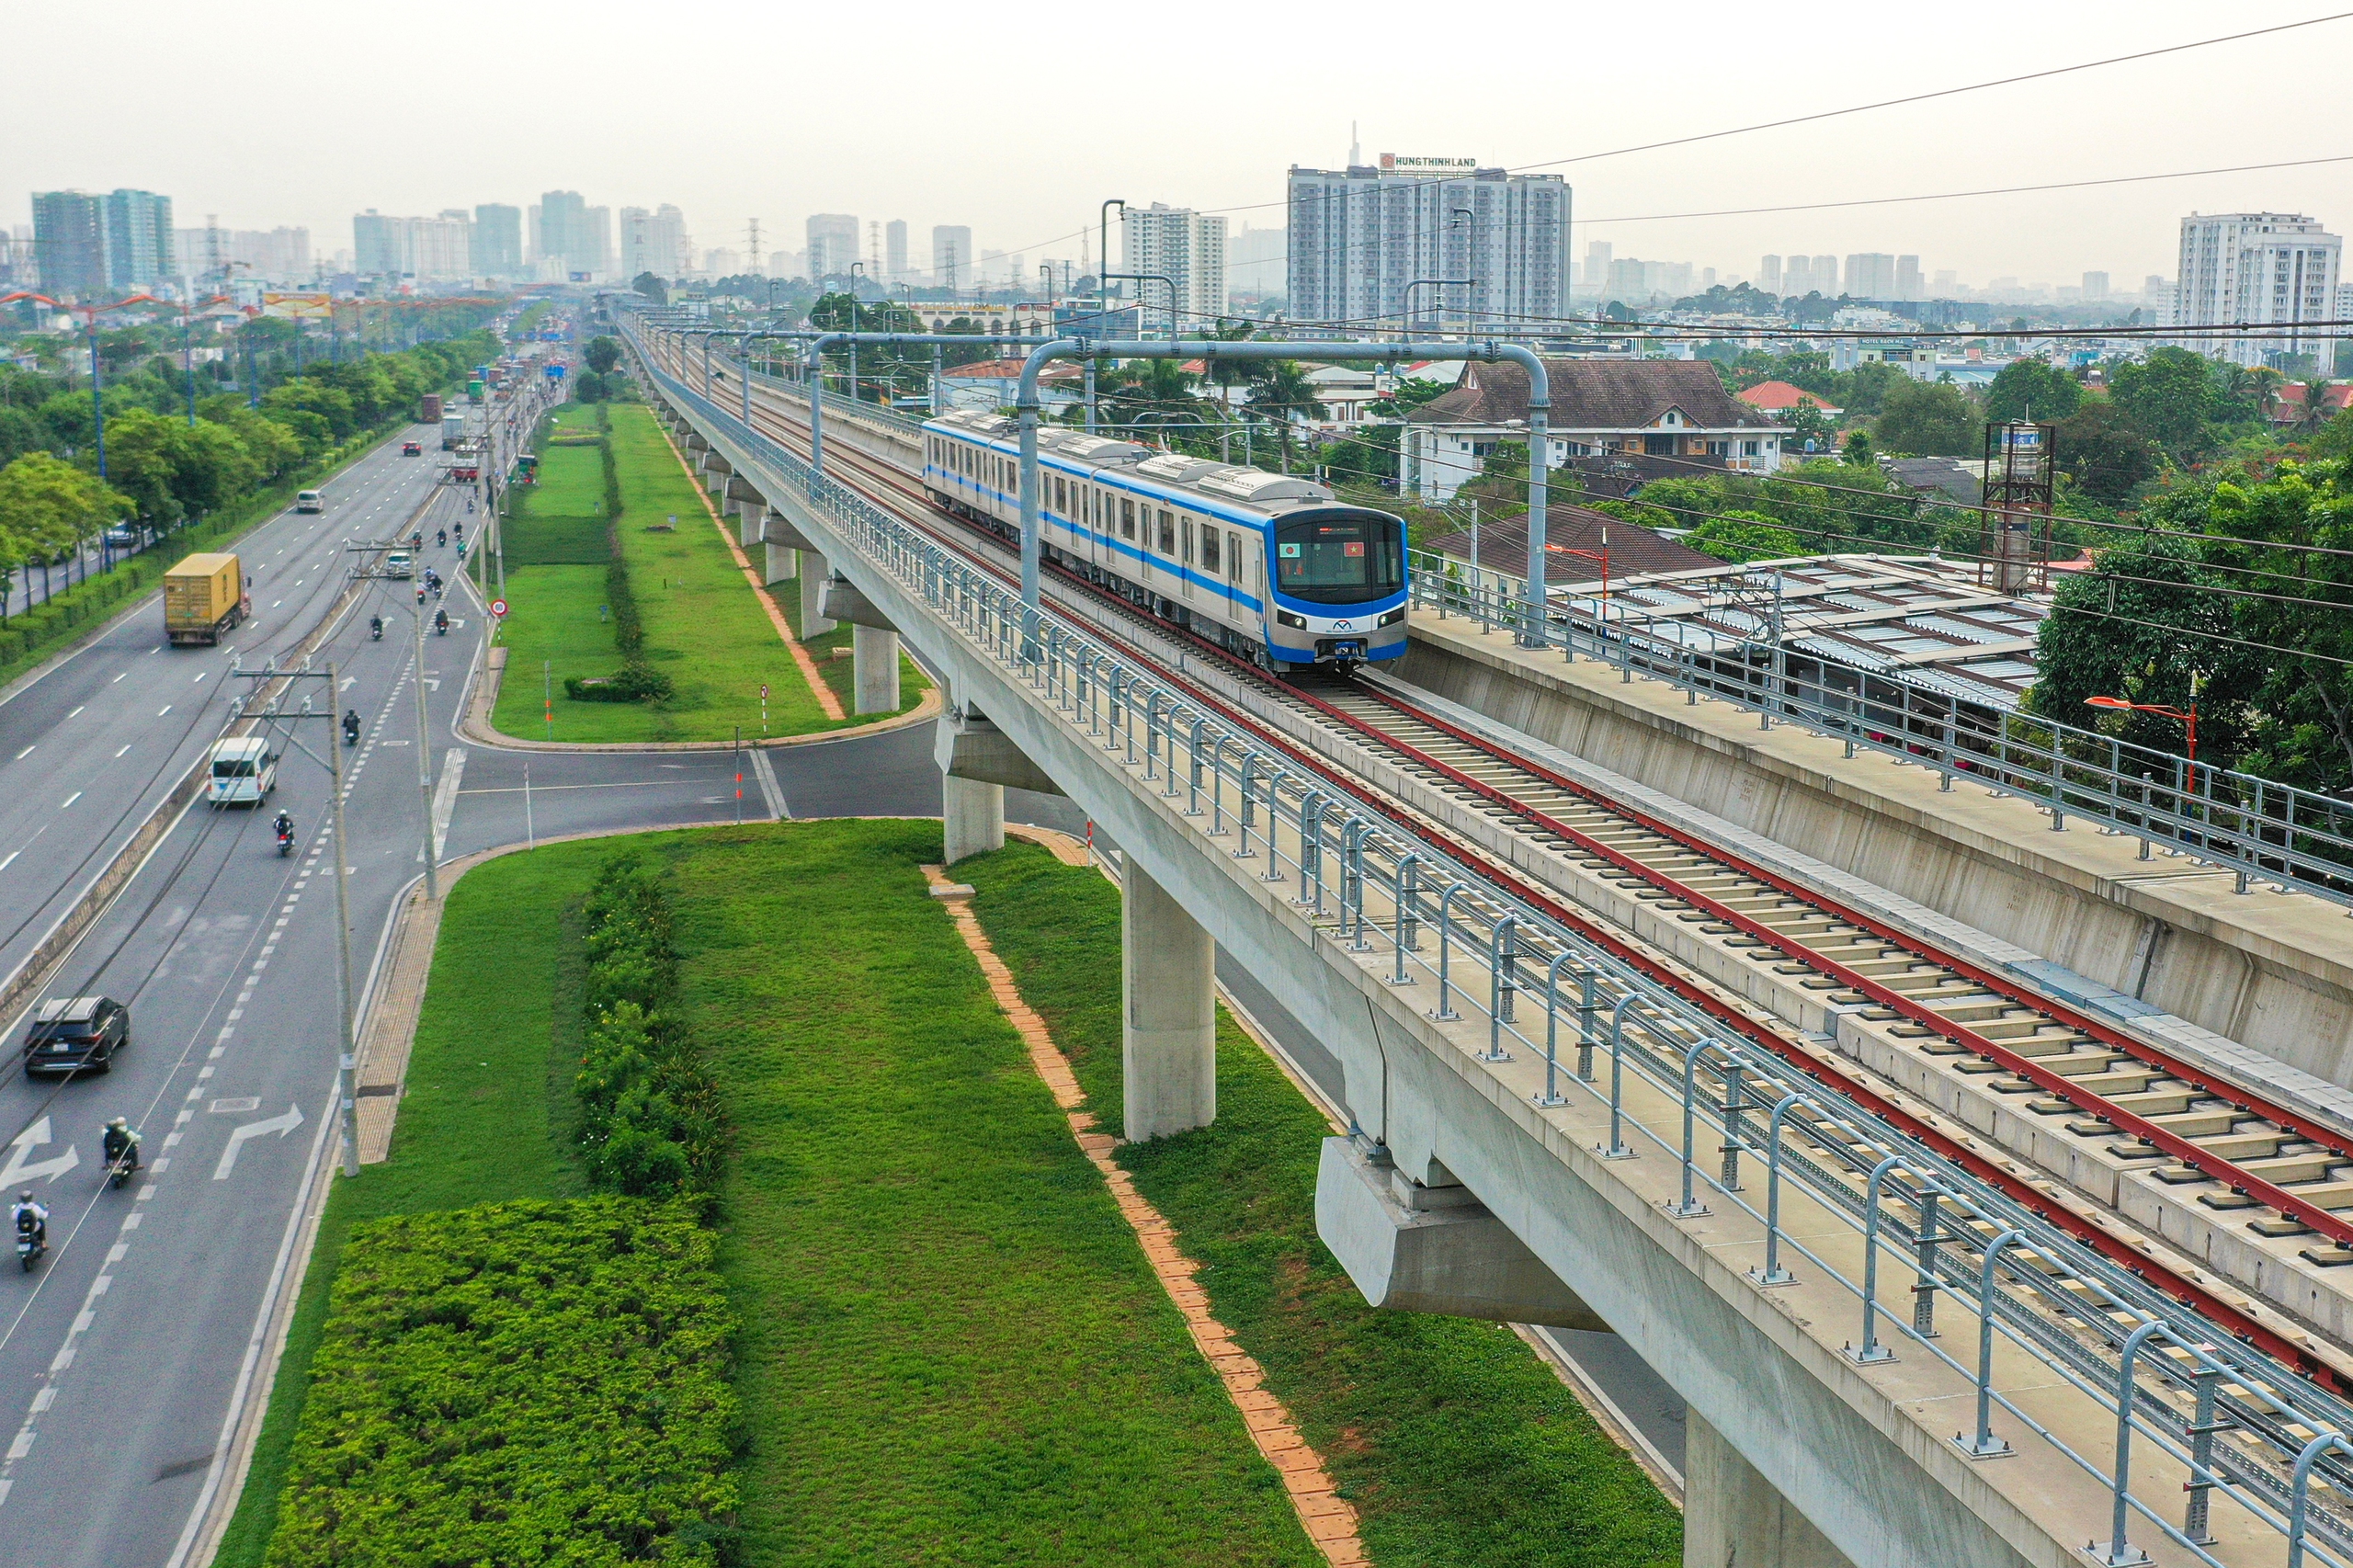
(1184, 246)
(2260, 268)
(1360, 236)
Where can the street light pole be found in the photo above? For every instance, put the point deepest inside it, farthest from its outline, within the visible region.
(346, 1077)
(425, 764)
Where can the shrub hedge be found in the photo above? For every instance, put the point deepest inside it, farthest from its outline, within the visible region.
(518, 1383)
(637, 680)
(650, 1122)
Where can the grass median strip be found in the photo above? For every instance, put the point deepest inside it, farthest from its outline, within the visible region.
(704, 628)
(952, 1349)
(1455, 1444)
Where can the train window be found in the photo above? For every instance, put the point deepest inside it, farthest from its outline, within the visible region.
(1062, 497)
(1167, 532)
(1208, 549)
(1185, 537)
(1339, 557)
(1233, 558)
(1127, 519)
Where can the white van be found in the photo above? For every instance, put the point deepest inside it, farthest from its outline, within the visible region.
(245, 771)
(399, 563)
(310, 501)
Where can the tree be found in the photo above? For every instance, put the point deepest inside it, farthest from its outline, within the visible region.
(1744, 536)
(2104, 453)
(2030, 388)
(602, 354)
(2334, 439)
(2167, 398)
(1281, 386)
(1858, 449)
(1809, 423)
(1931, 419)
(652, 288)
(2143, 625)
(48, 505)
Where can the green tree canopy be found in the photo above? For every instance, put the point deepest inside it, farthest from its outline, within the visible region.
(2030, 388)
(602, 354)
(1744, 536)
(2167, 398)
(1930, 419)
(2104, 453)
(47, 504)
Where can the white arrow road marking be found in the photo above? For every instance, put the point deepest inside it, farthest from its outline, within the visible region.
(282, 1125)
(444, 796)
(23, 1167)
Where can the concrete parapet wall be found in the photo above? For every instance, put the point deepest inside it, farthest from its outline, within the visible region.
(2272, 971)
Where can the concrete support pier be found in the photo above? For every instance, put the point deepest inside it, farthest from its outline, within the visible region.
(782, 565)
(747, 521)
(1732, 1516)
(1168, 1012)
(813, 571)
(971, 817)
(874, 654)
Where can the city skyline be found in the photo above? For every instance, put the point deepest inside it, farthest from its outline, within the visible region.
(1040, 193)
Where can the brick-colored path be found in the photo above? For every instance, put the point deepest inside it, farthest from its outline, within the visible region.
(825, 698)
(1330, 1521)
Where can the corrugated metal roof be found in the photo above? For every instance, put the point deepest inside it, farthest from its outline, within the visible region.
(1916, 617)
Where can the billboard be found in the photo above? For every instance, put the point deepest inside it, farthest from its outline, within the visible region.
(298, 307)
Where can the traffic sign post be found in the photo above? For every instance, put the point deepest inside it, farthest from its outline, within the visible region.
(764, 708)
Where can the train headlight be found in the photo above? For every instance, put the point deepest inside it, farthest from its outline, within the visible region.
(1284, 617)
(1392, 617)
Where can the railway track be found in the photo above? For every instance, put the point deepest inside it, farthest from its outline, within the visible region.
(2140, 1123)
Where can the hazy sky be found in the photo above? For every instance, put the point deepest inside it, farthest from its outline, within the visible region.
(1017, 122)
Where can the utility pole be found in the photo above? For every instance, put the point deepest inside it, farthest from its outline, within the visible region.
(424, 763)
(346, 1067)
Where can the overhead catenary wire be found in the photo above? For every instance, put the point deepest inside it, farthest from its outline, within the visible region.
(1812, 117)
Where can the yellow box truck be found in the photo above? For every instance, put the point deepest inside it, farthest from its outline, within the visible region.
(204, 595)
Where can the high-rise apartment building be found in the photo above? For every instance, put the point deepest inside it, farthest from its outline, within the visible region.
(1908, 284)
(2095, 285)
(70, 242)
(1360, 236)
(1597, 255)
(89, 244)
(1769, 274)
(435, 249)
(1826, 274)
(1871, 274)
(894, 249)
(952, 257)
(139, 239)
(574, 235)
(655, 241)
(498, 241)
(1180, 244)
(2259, 268)
(833, 245)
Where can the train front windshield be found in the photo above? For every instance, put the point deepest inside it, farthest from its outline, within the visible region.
(1340, 558)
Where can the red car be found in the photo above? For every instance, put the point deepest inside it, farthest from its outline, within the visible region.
(411, 449)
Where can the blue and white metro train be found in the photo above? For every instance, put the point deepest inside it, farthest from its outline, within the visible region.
(1267, 564)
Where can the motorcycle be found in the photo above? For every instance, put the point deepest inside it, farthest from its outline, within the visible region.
(351, 728)
(30, 1245)
(284, 842)
(441, 623)
(440, 538)
(375, 629)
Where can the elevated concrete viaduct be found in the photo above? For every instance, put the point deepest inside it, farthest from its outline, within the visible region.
(1489, 1176)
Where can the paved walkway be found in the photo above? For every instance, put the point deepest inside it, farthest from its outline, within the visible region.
(1327, 1518)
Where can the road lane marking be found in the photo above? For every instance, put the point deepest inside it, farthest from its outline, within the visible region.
(70, 798)
(26, 753)
(77, 712)
(159, 713)
(126, 672)
(282, 1125)
(119, 753)
(12, 854)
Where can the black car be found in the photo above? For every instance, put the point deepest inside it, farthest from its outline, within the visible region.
(76, 1034)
